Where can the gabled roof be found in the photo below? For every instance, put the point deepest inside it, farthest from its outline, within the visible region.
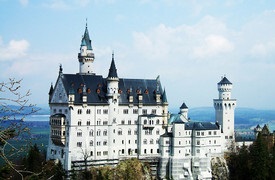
(96, 88)
(201, 126)
(224, 81)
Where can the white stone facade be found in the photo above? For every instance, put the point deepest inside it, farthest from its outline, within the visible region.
(98, 121)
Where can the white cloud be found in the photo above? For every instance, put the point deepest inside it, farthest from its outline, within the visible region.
(24, 2)
(213, 45)
(14, 49)
(209, 37)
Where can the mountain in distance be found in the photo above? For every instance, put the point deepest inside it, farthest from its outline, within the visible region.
(245, 118)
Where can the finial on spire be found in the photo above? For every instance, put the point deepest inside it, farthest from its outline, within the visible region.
(60, 68)
(86, 22)
(113, 55)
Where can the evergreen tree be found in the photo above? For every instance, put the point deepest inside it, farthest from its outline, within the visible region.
(259, 157)
(34, 159)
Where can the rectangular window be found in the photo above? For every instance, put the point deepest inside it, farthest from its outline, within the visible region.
(105, 122)
(198, 133)
(122, 122)
(79, 134)
(198, 142)
(98, 153)
(79, 144)
(135, 111)
(105, 153)
(105, 111)
(129, 121)
(144, 111)
(202, 133)
(125, 111)
(209, 132)
(98, 111)
(154, 111)
(215, 132)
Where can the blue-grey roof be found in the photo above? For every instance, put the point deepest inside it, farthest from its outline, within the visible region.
(183, 106)
(86, 41)
(175, 118)
(164, 97)
(96, 88)
(201, 126)
(58, 115)
(113, 70)
(224, 81)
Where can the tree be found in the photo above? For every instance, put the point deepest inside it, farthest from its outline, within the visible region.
(14, 107)
(259, 157)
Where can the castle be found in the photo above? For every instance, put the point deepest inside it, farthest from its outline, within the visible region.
(98, 121)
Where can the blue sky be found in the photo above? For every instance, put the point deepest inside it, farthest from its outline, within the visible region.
(189, 43)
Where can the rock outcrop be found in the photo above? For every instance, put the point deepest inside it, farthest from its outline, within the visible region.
(219, 168)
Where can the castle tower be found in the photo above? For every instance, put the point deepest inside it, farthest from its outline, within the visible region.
(113, 97)
(184, 110)
(225, 108)
(86, 56)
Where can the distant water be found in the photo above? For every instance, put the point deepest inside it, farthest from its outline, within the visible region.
(37, 118)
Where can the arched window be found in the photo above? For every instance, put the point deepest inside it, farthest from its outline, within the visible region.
(145, 121)
(91, 133)
(105, 132)
(157, 121)
(91, 143)
(119, 131)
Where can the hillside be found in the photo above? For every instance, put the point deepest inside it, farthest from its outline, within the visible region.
(244, 117)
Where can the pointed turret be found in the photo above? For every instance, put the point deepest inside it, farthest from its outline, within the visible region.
(112, 70)
(112, 80)
(86, 56)
(86, 41)
(50, 92)
(164, 97)
(184, 110)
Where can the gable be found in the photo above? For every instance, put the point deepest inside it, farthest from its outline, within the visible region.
(59, 93)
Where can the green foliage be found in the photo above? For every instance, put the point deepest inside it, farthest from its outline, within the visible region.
(34, 160)
(259, 158)
(256, 162)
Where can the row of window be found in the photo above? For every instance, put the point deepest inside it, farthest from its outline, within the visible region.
(88, 123)
(125, 111)
(57, 122)
(88, 111)
(209, 142)
(60, 111)
(135, 111)
(151, 141)
(199, 133)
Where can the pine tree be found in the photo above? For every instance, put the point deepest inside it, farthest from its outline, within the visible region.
(259, 157)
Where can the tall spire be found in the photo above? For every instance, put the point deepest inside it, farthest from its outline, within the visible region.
(164, 97)
(113, 70)
(86, 56)
(86, 41)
